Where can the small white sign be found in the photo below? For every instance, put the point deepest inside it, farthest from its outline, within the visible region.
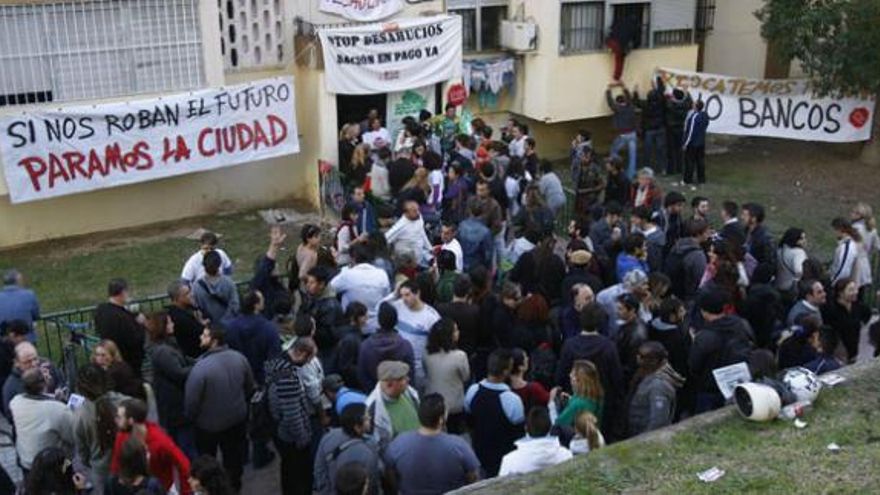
(728, 377)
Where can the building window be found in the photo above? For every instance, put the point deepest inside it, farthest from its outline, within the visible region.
(705, 15)
(634, 16)
(253, 33)
(582, 27)
(672, 37)
(64, 51)
(480, 23)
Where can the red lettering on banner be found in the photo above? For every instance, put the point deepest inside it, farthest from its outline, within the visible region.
(142, 159)
(56, 170)
(245, 135)
(202, 135)
(242, 137)
(36, 168)
(260, 137)
(277, 124)
(75, 160)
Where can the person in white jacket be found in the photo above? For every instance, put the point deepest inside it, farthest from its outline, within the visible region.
(408, 235)
(537, 450)
(850, 259)
(40, 421)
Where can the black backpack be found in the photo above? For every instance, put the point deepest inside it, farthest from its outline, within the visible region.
(673, 266)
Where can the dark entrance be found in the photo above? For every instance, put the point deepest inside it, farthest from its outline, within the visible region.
(354, 108)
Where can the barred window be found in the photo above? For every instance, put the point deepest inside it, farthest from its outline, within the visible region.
(673, 37)
(705, 15)
(582, 27)
(480, 23)
(74, 50)
(638, 14)
(253, 33)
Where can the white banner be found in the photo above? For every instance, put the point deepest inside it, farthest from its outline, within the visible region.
(785, 108)
(49, 153)
(396, 56)
(362, 10)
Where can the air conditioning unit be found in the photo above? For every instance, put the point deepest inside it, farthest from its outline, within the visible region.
(519, 36)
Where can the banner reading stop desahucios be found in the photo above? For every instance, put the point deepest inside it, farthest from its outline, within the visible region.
(395, 56)
(785, 108)
(55, 152)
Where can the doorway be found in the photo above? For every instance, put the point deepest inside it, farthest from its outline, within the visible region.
(354, 108)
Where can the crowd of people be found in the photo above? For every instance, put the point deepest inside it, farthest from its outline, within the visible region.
(443, 332)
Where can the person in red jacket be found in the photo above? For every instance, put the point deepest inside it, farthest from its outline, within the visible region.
(165, 457)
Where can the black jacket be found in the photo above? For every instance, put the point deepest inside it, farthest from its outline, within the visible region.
(760, 246)
(725, 341)
(118, 324)
(602, 352)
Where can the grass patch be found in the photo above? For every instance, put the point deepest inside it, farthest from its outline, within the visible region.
(757, 457)
(73, 273)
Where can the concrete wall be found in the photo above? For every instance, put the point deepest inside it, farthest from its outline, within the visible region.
(734, 47)
(560, 88)
(243, 186)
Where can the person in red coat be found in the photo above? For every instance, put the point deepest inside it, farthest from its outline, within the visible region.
(165, 457)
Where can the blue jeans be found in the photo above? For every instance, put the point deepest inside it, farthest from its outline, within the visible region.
(655, 144)
(630, 140)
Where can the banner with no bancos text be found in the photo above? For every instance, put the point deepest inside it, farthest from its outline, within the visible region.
(49, 153)
(785, 108)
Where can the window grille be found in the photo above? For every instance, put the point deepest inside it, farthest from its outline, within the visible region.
(582, 27)
(480, 23)
(253, 33)
(673, 37)
(74, 50)
(705, 15)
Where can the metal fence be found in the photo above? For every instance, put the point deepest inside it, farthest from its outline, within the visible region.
(67, 337)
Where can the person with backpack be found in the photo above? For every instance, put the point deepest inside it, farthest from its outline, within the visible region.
(723, 340)
(687, 261)
(348, 443)
(289, 407)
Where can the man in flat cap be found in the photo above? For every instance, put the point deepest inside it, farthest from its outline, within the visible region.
(393, 404)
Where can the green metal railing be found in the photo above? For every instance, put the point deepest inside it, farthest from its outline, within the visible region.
(60, 330)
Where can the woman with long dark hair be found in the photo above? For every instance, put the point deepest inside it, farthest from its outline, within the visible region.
(52, 474)
(170, 370)
(531, 392)
(447, 370)
(94, 426)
